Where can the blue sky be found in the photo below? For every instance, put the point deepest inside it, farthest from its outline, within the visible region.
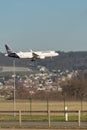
(43, 25)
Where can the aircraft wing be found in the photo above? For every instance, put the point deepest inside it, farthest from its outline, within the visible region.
(35, 55)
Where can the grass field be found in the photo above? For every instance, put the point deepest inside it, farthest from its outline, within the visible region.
(35, 105)
(38, 105)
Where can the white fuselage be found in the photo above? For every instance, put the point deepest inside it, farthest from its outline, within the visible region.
(24, 54)
(38, 54)
(31, 54)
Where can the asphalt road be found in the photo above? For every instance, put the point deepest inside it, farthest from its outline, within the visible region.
(42, 124)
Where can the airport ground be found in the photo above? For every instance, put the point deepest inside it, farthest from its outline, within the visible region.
(34, 105)
(39, 129)
(42, 105)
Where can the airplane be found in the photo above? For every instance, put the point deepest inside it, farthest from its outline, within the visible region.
(33, 55)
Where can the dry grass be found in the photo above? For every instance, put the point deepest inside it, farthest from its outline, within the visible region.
(43, 105)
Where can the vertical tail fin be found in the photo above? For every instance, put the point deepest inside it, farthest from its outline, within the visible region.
(8, 49)
(10, 53)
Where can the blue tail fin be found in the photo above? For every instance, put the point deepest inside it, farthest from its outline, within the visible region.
(8, 49)
(10, 52)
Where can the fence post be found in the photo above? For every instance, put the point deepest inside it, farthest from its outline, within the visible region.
(47, 104)
(66, 114)
(30, 106)
(20, 118)
(79, 116)
(49, 118)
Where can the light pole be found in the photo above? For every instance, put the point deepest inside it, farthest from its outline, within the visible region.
(14, 89)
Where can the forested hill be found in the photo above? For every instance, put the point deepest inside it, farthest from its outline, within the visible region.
(65, 60)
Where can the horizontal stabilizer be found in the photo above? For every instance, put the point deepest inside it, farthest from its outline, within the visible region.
(14, 55)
